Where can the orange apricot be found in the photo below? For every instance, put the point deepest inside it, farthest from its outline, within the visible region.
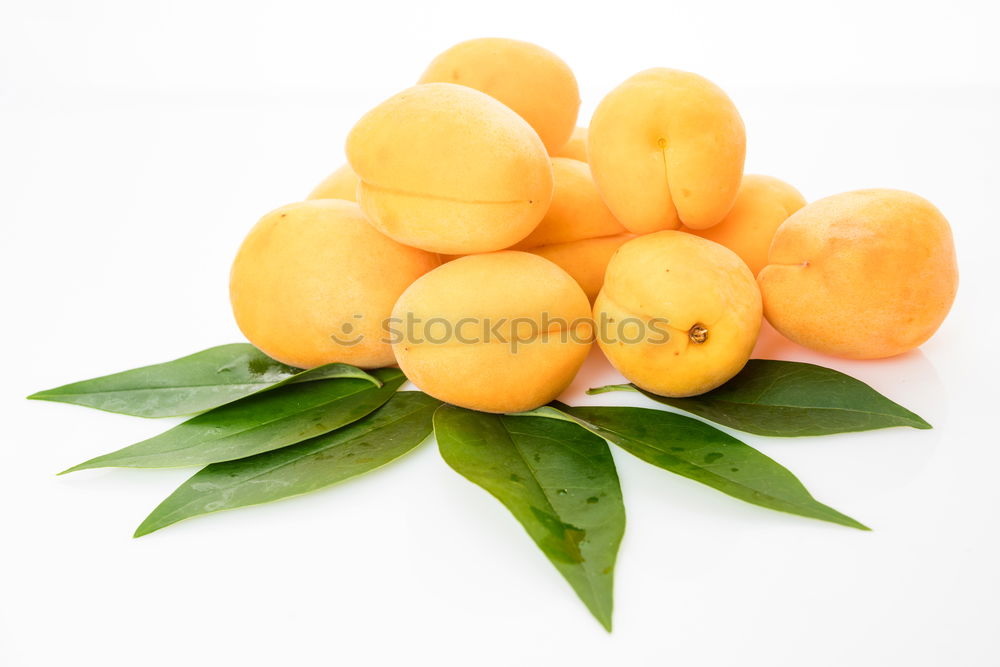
(342, 183)
(497, 332)
(532, 81)
(576, 147)
(762, 204)
(678, 315)
(313, 284)
(578, 232)
(585, 260)
(666, 148)
(863, 274)
(449, 169)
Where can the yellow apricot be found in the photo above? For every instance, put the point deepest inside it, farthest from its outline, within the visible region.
(449, 169)
(342, 183)
(585, 260)
(499, 332)
(666, 148)
(762, 204)
(577, 210)
(864, 274)
(576, 147)
(313, 283)
(532, 81)
(578, 232)
(678, 315)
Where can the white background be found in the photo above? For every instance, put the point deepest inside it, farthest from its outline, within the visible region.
(140, 140)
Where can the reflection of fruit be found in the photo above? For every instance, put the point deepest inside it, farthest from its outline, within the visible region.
(532, 81)
(500, 332)
(341, 184)
(578, 232)
(698, 292)
(762, 204)
(666, 148)
(576, 147)
(449, 169)
(863, 274)
(314, 273)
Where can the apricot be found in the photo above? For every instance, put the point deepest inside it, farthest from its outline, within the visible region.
(585, 260)
(578, 232)
(499, 332)
(576, 147)
(449, 169)
(532, 81)
(577, 210)
(678, 315)
(762, 204)
(666, 148)
(342, 183)
(863, 274)
(313, 283)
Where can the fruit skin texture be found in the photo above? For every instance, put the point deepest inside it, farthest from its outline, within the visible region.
(576, 147)
(666, 148)
(342, 183)
(578, 232)
(864, 274)
(762, 204)
(306, 270)
(449, 169)
(490, 375)
(532, 81)
(688, 281)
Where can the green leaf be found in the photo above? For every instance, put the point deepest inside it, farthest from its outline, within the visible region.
(557, 479)
(258, 423)
(371, 442)
(191, 384)
(790, 398)
(700, 452)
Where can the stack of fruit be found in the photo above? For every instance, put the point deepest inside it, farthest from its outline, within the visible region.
(482, 242)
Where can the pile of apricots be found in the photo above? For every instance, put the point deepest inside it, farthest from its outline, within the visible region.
(481, 241)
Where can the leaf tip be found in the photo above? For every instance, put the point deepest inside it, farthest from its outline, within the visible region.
(79, 466)
(143, 529)
(854, 523)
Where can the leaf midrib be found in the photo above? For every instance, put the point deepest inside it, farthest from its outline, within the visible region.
(797, 407)
(717, 475)
(300, 457)
(43, 394)
(586, 572)
(255, 427)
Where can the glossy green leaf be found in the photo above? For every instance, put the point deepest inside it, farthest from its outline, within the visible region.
(693, 449)
(557, 479)
(191, 384)
(790, 398)
(258, 423)
(371, 442)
